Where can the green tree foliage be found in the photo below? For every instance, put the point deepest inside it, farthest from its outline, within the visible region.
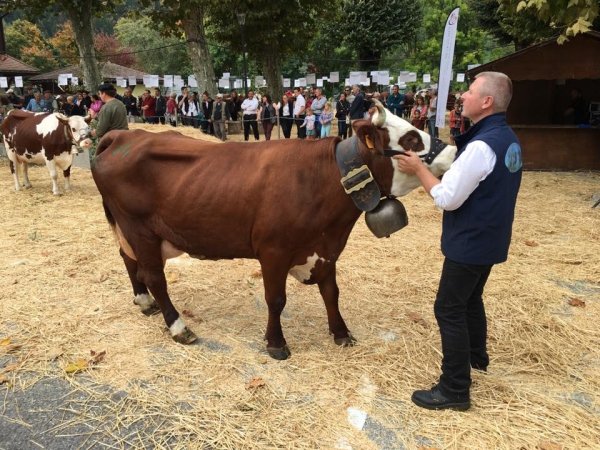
(564, 17)
(141, 35)
(25, 41)
(371, 27)
(275, 30)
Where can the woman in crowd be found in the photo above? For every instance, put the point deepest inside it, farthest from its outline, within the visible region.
(172, 109)
(457, 122)
(234, 105)
(342, 108)
(190, 109)
(285, 109)
(96, 104)
(267, 115)
(419, 113)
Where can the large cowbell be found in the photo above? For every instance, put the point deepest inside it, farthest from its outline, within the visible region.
(388, 217)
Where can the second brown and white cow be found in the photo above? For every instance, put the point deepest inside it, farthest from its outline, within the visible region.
(43, 138)
(280, 202)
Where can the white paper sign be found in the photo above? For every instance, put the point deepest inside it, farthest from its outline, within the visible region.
(296, 83)
(154, 80)
(226, 75)
(287, 82)
(301, 82)
(472, 66)
(383, 77)
(355, 78)
(319, 83)
(19, 81)
(334, 77)
(460, 77)
(69, 75)
(63, 79)
(74, 81)
(311, 78)
(122, 82)
(238, 84)
(366, 81)
(147, 81)
(168, 81)
(347, 82)
(132, 81)
(192, 81)
(259, 81)
(224, 83)
(403, 78)
(3, 82)
(426, 78)
(412, 77)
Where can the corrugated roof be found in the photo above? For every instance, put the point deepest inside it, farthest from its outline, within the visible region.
(109, 71)
(12, 66)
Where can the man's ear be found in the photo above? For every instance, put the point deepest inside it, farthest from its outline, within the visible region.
(374, 138)
(411, 141)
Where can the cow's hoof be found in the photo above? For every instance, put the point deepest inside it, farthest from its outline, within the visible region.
(58, 194)
(185, 337)
(151, 310)
(346, 342)
(28, 186)
(280, 354)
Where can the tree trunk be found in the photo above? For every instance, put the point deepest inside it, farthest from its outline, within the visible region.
(369, 59)
(269, 60)
(193, 26)
(80, 17)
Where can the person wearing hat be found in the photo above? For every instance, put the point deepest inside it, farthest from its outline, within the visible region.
(49, 103)
(28, 97)
(14, 99)
(219, 117)
(113, 115)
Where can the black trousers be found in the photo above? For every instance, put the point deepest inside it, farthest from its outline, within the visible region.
(301, 131)
(286, 126)
(463, 326)
(342, 128)
(250, 121)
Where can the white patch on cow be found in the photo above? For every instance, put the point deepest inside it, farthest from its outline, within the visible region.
(145, 301)
(403, 183)
(169, 251)
(48, 125)
(303, 272)
(178, 327)
(123, 243)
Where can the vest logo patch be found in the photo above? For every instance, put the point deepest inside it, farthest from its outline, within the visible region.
(513, 158)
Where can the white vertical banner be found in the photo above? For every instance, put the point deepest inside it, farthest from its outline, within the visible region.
(446, 67)
(19, 82)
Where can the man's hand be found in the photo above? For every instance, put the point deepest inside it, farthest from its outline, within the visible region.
(410, 164)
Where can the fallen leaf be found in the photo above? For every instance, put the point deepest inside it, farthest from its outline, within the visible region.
(77, 366)
(97, 357)
(3, 380)
(417, 318)
(191, 315)
(101, 278)
(255, 383)
(531, 243)
(172, 277)
(257, 274)
(576, 302)
(547, 445)
(5, 341)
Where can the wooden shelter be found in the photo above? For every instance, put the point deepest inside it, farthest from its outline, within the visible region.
(109, 71)
(543, 78)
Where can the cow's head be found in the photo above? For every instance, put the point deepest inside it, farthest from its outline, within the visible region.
(385, 130)
(77, 130)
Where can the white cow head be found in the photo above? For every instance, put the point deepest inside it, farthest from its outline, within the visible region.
(78, 130)
(403, 136)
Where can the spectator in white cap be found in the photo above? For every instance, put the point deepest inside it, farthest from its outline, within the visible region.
(14, 99)
(219, 117)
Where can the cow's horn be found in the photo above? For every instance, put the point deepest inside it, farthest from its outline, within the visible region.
(381, 116)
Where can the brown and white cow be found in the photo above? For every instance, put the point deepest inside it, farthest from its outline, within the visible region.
(280, 202)
(43, 138)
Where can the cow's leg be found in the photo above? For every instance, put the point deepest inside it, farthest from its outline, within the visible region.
(331, 293)
(274, 277)
(26, 181)
(150, 272)
(142, 298)
(67, 174)
(14, 169)
(51, 165)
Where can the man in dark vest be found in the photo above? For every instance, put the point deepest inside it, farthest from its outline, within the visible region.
(478, 195)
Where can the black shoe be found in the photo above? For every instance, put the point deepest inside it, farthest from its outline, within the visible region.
(435, 399)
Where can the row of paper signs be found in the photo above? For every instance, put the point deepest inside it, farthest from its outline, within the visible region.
(381, 77)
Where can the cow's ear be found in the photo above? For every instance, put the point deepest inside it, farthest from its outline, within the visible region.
(374, 138)
(411, 141)
(88, 119)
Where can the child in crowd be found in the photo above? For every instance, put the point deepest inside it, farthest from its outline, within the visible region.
(326, 119)
(457, 122)
(309, 123)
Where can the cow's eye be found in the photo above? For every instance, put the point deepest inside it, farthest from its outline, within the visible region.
(74, 129)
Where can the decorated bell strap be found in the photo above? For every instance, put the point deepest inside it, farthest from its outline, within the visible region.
(357, 179)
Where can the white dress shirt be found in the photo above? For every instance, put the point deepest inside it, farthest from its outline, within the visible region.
(474, 165)
(299, 104)
(250, 106)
